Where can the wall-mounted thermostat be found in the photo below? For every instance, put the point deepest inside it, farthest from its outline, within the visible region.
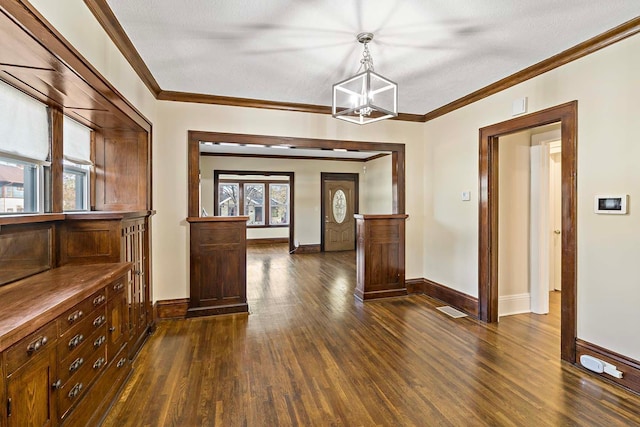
(616, 205)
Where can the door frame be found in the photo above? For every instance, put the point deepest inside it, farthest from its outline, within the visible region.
(567, 115)
(334, 176)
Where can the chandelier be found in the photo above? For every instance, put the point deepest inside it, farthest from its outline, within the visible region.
(366, 97)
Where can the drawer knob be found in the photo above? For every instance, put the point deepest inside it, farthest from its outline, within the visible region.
(75, 391)
(73, 317)
(97, 343)
(99, 300)
(37, 344)
(121, 362)
(112, 329)
(118, 287)
(76, 364)
(57, 385)
(98, 363)
(99, 321)
(75, 341)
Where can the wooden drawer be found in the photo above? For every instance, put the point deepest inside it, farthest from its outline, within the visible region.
(30, 346)
(97, 400)
(73, 391)
(117, 287)
(81, 311)
(71, 342)
(91, 349)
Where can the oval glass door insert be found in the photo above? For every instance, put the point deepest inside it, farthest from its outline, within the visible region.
(339, 204)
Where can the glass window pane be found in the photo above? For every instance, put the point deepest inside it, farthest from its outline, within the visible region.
(279, 204)
(254, 203)
(74, 185)
(18, 187)
(228, 199)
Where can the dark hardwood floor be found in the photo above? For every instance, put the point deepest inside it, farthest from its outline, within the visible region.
(309, 354)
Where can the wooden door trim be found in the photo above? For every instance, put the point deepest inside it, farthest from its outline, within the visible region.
(291, 182)
(335, 176)
(567, 115)
(194, 137)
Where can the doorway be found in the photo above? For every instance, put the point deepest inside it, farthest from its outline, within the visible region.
(339, 202)
(566, 114)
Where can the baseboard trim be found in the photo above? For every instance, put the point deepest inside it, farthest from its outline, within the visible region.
(415, 286)
(455, 299)
(267, 241)
(172, 308)
(387, 293)
(218, 310)
(631, 368)
(307, 249)
(514, 304)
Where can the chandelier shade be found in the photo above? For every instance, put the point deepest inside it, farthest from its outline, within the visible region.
(366, 97)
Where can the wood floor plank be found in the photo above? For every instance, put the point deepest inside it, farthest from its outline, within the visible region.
(310, 354)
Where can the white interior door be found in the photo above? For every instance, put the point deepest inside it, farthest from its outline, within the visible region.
(539, 226)
(555, 178)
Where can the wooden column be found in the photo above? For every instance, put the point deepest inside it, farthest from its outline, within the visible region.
(218, 266)
(380, 256)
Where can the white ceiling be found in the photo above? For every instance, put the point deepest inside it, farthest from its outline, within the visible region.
(293, 51)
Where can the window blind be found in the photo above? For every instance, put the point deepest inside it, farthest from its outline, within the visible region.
(24, 126)
(77, 142)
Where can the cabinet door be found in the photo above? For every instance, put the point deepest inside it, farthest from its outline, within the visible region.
(117, 324)
(29, 393)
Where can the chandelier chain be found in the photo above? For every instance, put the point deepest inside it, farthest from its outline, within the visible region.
(367, 60)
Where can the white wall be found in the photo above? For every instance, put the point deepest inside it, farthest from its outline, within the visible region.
(376, 181)
(513, 223)
(307, 188)
(606, 86)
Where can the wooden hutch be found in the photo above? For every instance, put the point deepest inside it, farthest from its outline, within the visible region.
(75, 288)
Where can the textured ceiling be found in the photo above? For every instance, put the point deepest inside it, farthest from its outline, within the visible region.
(293, 51)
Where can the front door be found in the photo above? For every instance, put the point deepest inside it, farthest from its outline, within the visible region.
(339, 203)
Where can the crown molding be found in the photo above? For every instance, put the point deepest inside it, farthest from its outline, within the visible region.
(112, 27)
(109, 22)
(578, 51)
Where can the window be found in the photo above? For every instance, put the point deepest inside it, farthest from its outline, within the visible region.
(18, 186)
(74, 188)
(24, 151)
(76, 167)
(228, 200)
(264, 210)
(254, 203)
(279, 204)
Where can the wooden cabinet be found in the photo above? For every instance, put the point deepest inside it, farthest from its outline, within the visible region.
(218, 266)
(87, 238)
(64, 359)
(31, 372)
(380, 270)
(117, 324)
(134, 250)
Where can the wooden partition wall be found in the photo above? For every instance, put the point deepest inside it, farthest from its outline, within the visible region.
(380, 265)
(218, 282)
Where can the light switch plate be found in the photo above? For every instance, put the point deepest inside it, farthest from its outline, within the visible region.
(466, 196)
